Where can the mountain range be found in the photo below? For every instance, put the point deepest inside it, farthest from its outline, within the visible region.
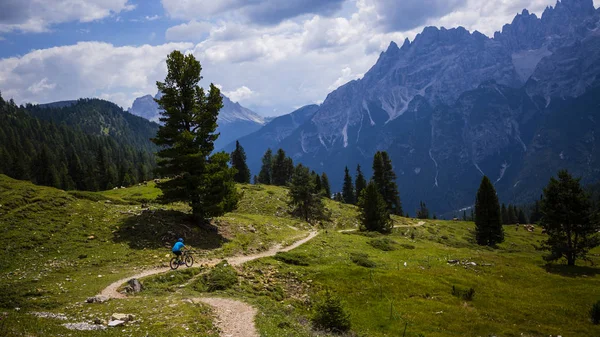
(451, 106)
(234, 120)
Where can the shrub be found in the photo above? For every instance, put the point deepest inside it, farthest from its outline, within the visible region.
(407, 246)
(595, 313)
(221, 277)
(330, 315)
(295, 259)
(385, 244)
(362, 260)
(466, 295)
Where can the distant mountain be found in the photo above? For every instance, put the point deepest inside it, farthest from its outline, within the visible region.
(234, 120)
(269, 136)
(452, 105)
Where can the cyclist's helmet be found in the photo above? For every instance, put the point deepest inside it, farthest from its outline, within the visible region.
(180, 240)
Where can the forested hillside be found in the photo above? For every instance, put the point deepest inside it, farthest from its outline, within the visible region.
(90, 145)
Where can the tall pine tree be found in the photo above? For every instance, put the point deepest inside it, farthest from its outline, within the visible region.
(488, 222)
(265, 175)
(374, 215)
(186, 140)
(348, 188)
(360, 182)
(280, 170)
(238, 161)
(325, 184)
(567, 218)
(385, 178)
(303, 200)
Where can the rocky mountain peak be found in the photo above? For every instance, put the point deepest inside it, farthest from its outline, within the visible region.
(568, 11)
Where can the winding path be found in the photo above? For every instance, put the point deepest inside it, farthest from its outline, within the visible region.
(421, 223)
(235, 318)
(111, 290)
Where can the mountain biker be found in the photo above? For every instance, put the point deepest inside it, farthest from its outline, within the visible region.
(178, 248)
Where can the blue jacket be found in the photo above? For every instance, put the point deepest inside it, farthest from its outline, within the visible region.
(177, 247)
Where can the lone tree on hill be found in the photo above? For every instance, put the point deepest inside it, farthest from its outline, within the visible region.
(238, 161)
(326, 186)
(303, 200)
(265, 175)
(385, 178)
(374, 215)
(348, 188)
(567, 217)
(360, 183)
(488, 224)
(282, 169)
(187, 138)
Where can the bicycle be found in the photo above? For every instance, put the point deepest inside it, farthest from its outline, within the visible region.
(185, 258)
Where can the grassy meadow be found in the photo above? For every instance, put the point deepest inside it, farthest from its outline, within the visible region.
(60, 248)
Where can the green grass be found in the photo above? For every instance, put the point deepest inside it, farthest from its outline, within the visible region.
(58, 248)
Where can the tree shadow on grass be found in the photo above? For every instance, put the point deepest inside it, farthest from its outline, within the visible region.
(161, 229)
(572, 271)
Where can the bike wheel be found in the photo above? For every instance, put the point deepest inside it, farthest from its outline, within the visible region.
(189, 261)
(174, 264)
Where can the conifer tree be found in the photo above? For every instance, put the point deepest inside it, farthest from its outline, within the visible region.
(488, 225)
(522, 217)
(289, 170)
(318, 184)
(360, 182)
(265, 174)
(567, 219)
(535, 213)
(303, 200)
(422, 212)
(238, 161)
(280, 169)
(385, 178)
(326, 186)
(465, 215)
(504, 214)
(186, 140)
(374, 215)
(348, 188)
(512, 215)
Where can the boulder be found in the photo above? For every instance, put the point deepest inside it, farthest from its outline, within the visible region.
(122, 317)
(97, 299)
(135, 285)
(116, 323)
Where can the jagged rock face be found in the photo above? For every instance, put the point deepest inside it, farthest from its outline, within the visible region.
(452, 106)
(234, 120)
(274, 132)
(145, 107)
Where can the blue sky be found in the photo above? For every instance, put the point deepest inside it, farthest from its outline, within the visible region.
(270, 55)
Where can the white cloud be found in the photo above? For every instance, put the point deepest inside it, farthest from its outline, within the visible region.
(346, 77)
(87, 69)
(263, 12)
(152, 18)
(239, 94)
(192, 31)
(38, 15)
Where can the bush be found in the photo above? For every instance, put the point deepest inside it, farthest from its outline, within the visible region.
(295, 259)
(595, 313)
(362, 260)
(465, 294)
(407, 246)
(384, 244)
(330, 315)
(221, 277)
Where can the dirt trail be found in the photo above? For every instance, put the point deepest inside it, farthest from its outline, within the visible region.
(111, 290)
(236, 319)
(420, 223)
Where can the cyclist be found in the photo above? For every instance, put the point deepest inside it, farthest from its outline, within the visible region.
(177, 249)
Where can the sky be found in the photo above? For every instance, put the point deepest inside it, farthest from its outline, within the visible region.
(272, 56)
